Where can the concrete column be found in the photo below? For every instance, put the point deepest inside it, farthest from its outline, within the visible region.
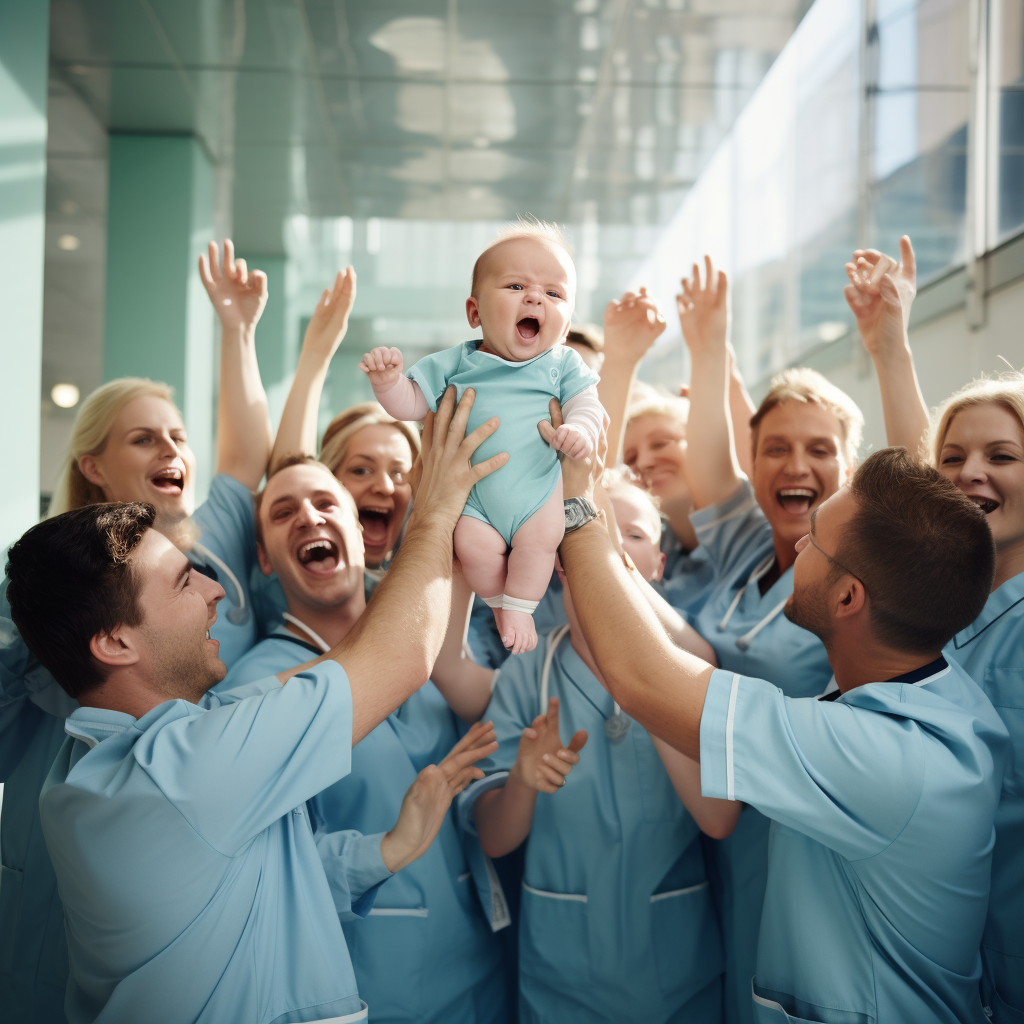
(159, 322)
(24, 64)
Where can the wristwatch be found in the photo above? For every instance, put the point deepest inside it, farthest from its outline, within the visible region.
(578, 512)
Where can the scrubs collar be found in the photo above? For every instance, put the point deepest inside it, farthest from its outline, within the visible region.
(916, 677)
(999, 602)
(93, 725)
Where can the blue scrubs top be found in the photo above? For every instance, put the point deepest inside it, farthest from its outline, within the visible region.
(991, 650)
(33, 952)
(689, 576)
(425, 952)
(616, 920)
(192, 887)
(882, 803)
(737, 539)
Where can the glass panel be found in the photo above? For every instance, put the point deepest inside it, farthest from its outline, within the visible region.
(1011, 119)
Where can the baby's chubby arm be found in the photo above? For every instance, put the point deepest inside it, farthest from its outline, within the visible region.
(399, 396)
(584, 419)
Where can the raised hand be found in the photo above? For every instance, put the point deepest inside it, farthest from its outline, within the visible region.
(880, 294)
(632, 325)
(237, 295)
(704, 307)
(579, 472)
(383, 366)
(542, 763)
(572, 441)
(329, 322)
(427, 800)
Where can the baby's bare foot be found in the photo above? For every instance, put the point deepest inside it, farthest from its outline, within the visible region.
(517, 631)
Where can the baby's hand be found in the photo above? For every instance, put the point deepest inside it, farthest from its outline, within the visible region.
(383, 366)
(575, 443)
(542, 763)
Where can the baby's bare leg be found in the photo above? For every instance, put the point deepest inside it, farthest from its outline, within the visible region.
(529, 570)
(481, 551)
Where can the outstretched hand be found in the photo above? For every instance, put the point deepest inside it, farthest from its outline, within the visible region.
(880, 294)
(446, 473)
(383, 366)
(542, 763)
(237, 295)
(704, 308)
(632, 325)
(427, 800)
(329, 322)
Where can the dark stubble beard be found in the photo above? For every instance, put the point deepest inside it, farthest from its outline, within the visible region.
(184, 669)
(808, 608)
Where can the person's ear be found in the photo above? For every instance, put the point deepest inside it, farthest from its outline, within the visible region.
(661, 569)
(114, 648)
(851, 598)
(472, 312)
(265, 567)
(90, 470)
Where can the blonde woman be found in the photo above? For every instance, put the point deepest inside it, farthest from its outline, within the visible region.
(128, 444)
(977, 442)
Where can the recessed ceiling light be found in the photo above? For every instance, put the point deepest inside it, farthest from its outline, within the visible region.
(587, 74)
(64, 395)
(69, 243)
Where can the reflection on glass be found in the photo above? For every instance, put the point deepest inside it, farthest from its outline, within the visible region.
(1011, 119)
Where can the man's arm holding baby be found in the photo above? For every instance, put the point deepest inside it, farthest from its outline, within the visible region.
(398, 395)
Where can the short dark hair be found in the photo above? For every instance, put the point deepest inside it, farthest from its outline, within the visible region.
(587, 335)
(70, 578)
(922, 549)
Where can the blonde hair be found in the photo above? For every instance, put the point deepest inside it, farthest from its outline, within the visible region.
(677, 409)
(344, 426)
(90, 433)
(524, 227)
(801, 384)
(1006, 390)
(620, 480)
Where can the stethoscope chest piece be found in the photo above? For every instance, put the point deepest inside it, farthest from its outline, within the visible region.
(616, 727)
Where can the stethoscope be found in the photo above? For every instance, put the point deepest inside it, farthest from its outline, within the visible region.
(744, 642)
(237, 616)
(616, 727)
(317, 639)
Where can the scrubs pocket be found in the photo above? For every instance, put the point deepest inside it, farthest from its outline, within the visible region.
(685, 936)
(11, 880)
(1003, 1012)
(768, 1011)
(390, 943)
(554, 940)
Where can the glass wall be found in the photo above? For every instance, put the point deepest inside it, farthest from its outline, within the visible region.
(858, 134)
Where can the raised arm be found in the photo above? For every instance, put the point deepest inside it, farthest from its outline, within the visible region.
(243, 416)
(398, 395)
(880, 294)
(632, 325)
(741, 412)
(296, 433)
(391, 650)
(711, 468)
(464, 684)
(715, 818)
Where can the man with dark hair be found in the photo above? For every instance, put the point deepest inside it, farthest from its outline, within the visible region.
(175, 817)
(882, 794)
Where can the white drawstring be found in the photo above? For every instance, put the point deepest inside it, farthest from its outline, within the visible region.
(315, 637)
(238, 615)
(743, 642)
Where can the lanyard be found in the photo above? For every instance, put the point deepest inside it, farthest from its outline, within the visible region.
(315, 637)
(761, 569)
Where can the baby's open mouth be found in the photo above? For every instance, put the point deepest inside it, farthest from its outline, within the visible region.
(528, 328)
(796, 500)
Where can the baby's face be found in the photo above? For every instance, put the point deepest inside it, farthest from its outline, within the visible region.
(524, 298)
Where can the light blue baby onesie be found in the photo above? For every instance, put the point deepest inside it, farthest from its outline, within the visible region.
(518, 393)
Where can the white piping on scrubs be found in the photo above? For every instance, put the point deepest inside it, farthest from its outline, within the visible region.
(349, 1018)
(761, 569)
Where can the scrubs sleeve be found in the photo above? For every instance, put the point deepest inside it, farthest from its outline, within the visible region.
(234, 770)
(227, 528)
(847, 777)
(576, 376)
(355, 870)
(733, 532)
(433, 372)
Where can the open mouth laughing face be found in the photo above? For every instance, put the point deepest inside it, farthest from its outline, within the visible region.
(798, 464)
(983, 454)
(310, 537)
(146, 458)
(524, 298)
(375, 471)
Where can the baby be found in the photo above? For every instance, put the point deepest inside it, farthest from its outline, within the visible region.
(524, 289)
